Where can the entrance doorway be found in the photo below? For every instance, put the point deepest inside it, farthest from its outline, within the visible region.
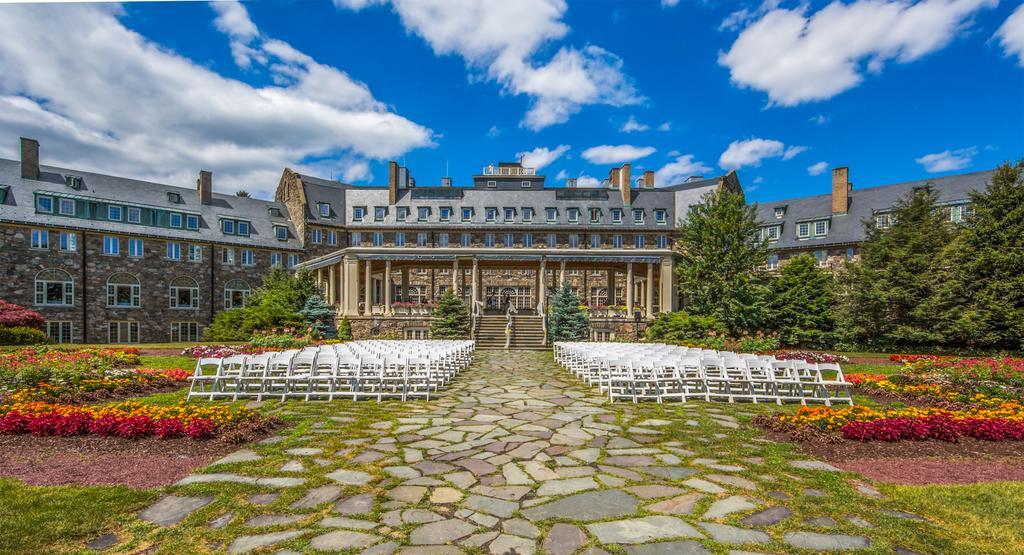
(500, 296)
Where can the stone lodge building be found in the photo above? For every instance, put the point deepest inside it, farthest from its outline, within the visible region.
(111, 259)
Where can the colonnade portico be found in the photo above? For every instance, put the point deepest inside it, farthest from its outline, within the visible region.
(362, 281)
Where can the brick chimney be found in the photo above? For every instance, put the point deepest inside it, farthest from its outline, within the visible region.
(392, 182)
(29, 158)
(613, 178)
(648, 179)
(205, 187)
(841, 190)
(625, 184)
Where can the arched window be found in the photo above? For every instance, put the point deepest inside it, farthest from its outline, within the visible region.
(416, 294)
(123, 290)
(54, 288)
(236, 292)
(184, 293)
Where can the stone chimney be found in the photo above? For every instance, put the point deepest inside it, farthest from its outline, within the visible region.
(648, 179)
(392, 182)
(841, 190)
(29, 158)
(625, 184)
(613, 178)
(570, 182)
(205, 187)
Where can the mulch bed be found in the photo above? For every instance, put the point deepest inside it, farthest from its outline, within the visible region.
(94, 460)
(920, 462)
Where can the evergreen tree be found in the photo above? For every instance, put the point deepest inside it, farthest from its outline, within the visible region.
(979, 277)
(720, 256)
(451, 318)
(799, 303)
(566, 320)
(345, 330)
(276, 303)
(320, 316)
(242, 193)
(883, 296)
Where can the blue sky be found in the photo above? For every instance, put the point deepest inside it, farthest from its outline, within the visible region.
(779, 91)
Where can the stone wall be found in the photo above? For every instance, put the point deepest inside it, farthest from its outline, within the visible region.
(385, 327)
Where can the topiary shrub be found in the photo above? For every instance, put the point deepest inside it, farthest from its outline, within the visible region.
(13, 315)
(345, 330)
(23, 335)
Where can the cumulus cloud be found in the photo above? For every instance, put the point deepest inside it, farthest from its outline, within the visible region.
(562, 175)
(741, 17)
(493, 132)
(542, 156)
(586, 181)
(632, 125)
(947, 160)
(102, 97)
(614, 154)
(820, 119)
(798, 57)
(751, 152)
(667, 126)
(502, 39)
(678, 170)
(1011, 35)
(817, 169)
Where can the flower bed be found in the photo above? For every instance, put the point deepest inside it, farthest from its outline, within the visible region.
(116, 383)
(32, 366)
(812, 357)
(129, 419)
(213, 351)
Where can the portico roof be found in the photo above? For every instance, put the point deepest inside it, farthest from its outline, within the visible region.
(430, 254)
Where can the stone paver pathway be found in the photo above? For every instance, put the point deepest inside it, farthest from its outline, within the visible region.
(515, 457)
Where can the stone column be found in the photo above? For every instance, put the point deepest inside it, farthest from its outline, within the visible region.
(649, 291)
(586, 289)
(351, 294)
(368, 307)
(629, 289)
(667, 290)
(561, 274)
(611, 288)
(542, 288)
(455, 277)
(405, 284)
(474, 286)
(332, 298)
(387, 288)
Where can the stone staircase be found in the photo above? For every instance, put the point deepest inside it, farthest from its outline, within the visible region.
(527, 332)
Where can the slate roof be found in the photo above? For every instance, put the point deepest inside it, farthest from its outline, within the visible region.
(19, 207)
(849, 228)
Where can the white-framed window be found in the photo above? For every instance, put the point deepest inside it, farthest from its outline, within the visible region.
(639, 241)
(293, 260)
(236, 292)
(195, 253)
(638, 216)
(551, 214)
(66, 207)
(527, 239)
(227, 227)
(660, 216)
(421, 239)
(378, 239)
(445, 213)
(134, 215)
(357, 239)
(574, 241)
(416, 333)
(574, 215)
(510, 214)
(358, 213)
(59, 331)
(123, 291)
(399, 238)
(135, 248)
(325, 209)
(883, 221)
(192, 221)
(380, 213)
(527, 215)
(276, 259)
(332, 237)
(552, 240)
(780, 212)
(616, 215)
(40, 239)
(184, 293)
(173, 250)
(442, 240)
(595, 240)
(173, 197)
(68, 241)
(525, 184)
(248, 257)
(54, 288)
(509, 240)
(111, 245)
(281, 232)
(422, 213)
(316, 236)
(492, 184)
(114, 213)
(184, 331)
(401, 213)
(227, 255)
(243, 228)
(122, 331)
(44, 204)
(803, 230)
(466, 239)
(490, 215)
(595, 215)
(467, 214)
(821, 255)
(617, 241)
(488, 239)
(663, 241)
(773, 261)
(821, 228)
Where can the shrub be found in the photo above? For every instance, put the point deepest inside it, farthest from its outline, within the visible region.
(683, 328)
(320, 316)
(17, 316)
(758, 344)
(567, 320)
(276, 340)
(23, 335)
(812, 357)
(451, 319)
(345, 330)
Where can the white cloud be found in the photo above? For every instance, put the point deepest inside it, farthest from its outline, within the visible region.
(614, 154)
(562, 175)
(667, 126)
(797, 58)
(820, 119)
(632, 125)
(542, 156)
(818, 168)
(741, 17)
(669, 3)
(493, 132)
(947, 160)
(586, 181)
(101, 97)
(751, 152)
(1011, 35)
(678, 170)
(501, 39)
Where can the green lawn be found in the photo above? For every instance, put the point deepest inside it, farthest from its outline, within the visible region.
(151, 361)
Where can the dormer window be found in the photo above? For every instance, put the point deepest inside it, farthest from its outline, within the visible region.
(660, 216)
(595, 215)
(821, 228)
(526, 185)
(192, 221)
(817, 228)
(883, 221)
(574, 215)
(616, 215)
(423, 213)
(73, 181)
(358, 213)
(771, 232)
(174, 197)
(780, 212)
(66, 207)
(552, 215)
(243, 228)
(281, 232)
(325, 209)
(446, 213)
(175, 219)
(510, 214)
(228, 227)
(467, 214)
(44, 204)
(114, 213)
(379, 213)
(273, 212)
(490, 215)
(638, 216)
(527, 215)
(492, 184)
(402, 213)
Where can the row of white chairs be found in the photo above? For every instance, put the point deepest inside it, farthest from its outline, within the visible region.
(659, 372)
(372, 369)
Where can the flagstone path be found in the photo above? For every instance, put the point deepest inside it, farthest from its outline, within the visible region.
(515, 457)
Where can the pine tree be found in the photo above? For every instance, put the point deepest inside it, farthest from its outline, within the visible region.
(720, 256)
(799, 303)
(979, 277)
(345, 330)
(883, 296)
(451, 318)
(320, 316)
(567, 321)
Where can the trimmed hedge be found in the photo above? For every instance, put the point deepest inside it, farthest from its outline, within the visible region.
(23, 335)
